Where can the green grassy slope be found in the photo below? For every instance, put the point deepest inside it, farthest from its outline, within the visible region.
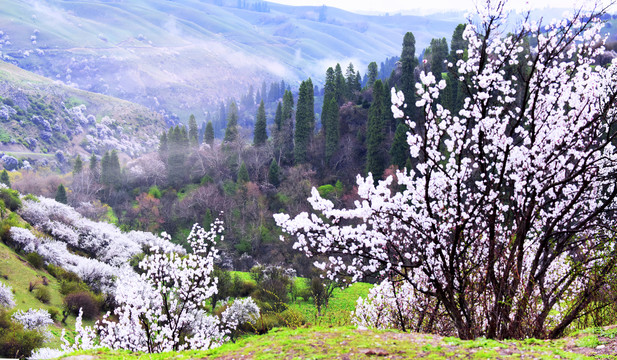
(16, 272)
(352, 343)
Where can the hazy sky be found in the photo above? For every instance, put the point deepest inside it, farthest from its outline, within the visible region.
(392, 6)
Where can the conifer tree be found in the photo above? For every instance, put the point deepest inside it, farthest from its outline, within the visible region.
(243, 174)
(163, 147)
(350, 81)
(78, 165)
(4, 178)
(376, 155)
(222, 121)
(94, 166)
(399, 152)
(408, 80)
(304, 121)
(114, 169)
(105, 165)
(332, 132)
(339, 84)
(278, 117)
(260, 135)
(61, 195)
(231, 131)
(285, 139)
(273, 173)
(329, 92)
(209, 134)
(193, 132)
(373, 73)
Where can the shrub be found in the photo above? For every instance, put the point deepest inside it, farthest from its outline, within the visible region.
(11, 198)
(35, 260)
(6, 296)
(54, 313)
(82, 300)
(61, 274)
(15, 341)
(43, 295)
(273, 284)
(242, 288)
(70, 287)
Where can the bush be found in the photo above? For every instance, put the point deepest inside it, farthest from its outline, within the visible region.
(84, 300)
(273, 284)
(70, 287)
(43, 295)
(15, 341)
(242, 288)
(61, 274)
(11, 198)
(54, 313)
(35, 260)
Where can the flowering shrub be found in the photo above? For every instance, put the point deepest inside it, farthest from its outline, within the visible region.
(7, 299)
(33, 319)
(505, 224)
(162, 309)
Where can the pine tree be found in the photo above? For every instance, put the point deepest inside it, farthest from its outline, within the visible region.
(329, 93)
(61, 195)
(373, 73)
(4, 178)
(350, 81)
(105, 172)
(78, 166)
(260, 135)
(243, 174)
(408, 66)
(231, 131)
(273, 173)
(94, 166)
(163, 147)
(209, 134)
(340, 86)
(193, 132)
(399, 152)
(114, 169)
(285, 139)
(222, 120)
(278, 118)
(376, 155)
(332, 132)
(304, 121)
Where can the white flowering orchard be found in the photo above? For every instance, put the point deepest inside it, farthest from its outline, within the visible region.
(505, 227)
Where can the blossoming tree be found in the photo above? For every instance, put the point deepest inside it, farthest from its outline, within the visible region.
(505, 227)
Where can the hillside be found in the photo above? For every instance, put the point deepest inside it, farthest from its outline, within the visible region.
(40, 117)
(185, 56)
(352, 343)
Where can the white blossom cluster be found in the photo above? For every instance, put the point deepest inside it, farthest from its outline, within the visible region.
(7, 299)
(37, 320)
(162, 309)
(397, 305)
(506, 214)
(240, 312)
(110, 248)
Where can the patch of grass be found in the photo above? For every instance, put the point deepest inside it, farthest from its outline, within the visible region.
(590, 341)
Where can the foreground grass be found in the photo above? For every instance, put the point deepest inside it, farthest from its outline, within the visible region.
(352, 343)
(16, 272)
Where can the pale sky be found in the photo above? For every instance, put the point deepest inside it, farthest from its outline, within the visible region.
(393, 6)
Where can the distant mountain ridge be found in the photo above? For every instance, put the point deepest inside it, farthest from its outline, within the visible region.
(185, 56)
